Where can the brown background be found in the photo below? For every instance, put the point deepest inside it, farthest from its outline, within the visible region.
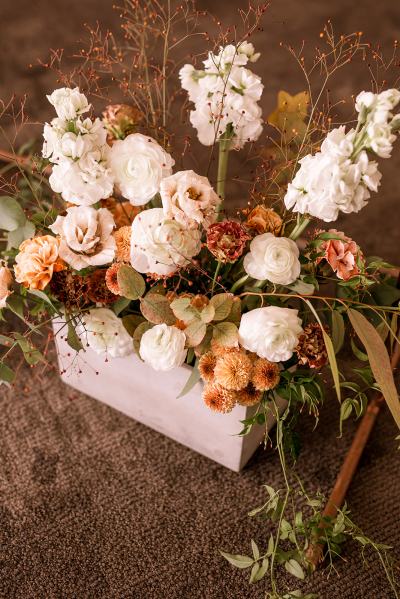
(93, 505)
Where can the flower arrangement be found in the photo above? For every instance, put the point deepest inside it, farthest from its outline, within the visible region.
(141, 257)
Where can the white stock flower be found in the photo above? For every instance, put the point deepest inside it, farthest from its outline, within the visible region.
(163, 347)
(139, 164)
(86, 237)
(189, 199)
(273, 258)
(190, 81)
(104, 333)
(381, 139)
(68, 103)
(83, 182)
(270, 332)
(161, 246)
(331, 181)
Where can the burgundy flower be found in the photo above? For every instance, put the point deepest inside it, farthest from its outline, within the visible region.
(226, 240)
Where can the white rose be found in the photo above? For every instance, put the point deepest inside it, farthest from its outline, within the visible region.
(163, 347)
(82, 182)
(68, 103)
(86, 237)
(189, 199)
(138, 164)
(103, 331)
(273, 258)
(270, 332)
(161, 246)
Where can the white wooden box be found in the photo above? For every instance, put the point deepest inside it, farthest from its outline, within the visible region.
(134, 388)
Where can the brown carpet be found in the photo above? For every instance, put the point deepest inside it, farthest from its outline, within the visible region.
(96, 506)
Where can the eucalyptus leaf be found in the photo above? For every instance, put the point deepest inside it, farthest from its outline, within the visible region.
(12, 216)
(17, 236)
(138, 334)
(131, 283)
(195, 332)
(226, 334)
(222, 304)
(120, 305)
(156, 309)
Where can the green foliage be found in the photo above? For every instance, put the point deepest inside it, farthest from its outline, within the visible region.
(131, 283)
(156, 309)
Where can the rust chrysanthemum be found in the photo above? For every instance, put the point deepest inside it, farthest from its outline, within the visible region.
(122, 238)
(265, 375)
(264, 220)
(112, 278)
(232, 371)
(311, 350)
(207, 364)
(98, 291)
(218, 398)
(70, 289)
(221, 350)
(226, 240)
(249, 396)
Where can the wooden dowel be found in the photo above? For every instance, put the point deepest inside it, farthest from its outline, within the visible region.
(349, 466)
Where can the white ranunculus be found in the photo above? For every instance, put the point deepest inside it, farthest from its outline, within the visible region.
(163, 347)
(104, 333)
(161, 246)
(273, 258)
(139, 164)
(270, 332)
(189, 199)
(83, 182)
(86, 236)
(68, 103)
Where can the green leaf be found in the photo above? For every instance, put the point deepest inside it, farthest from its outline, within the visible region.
(72, 337)
(236, 311)
(222, 303)
(329, 349)
(156, 309)
(378, 359)
(195, 332)
(131, 322)
(208, 313)
(337, 331)
(294, 568)
(6, 374)
(11, 214)
(6, 341)
(360, 355)
(254, 571)
(16, 237)
(131, 283)
(226, 334)
(120, 305)
(41, 295)
(192, 380)
(183, 310)
(240, 561)
(255, 550)
(262, 571)
(31, 354)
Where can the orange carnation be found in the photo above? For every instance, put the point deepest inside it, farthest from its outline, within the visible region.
(37, 260)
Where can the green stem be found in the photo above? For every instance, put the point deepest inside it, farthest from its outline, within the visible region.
(299, 228)
(218, 268)
(239, 283)
(223, 157)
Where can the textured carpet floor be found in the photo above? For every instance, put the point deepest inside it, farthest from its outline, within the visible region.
(96, 506)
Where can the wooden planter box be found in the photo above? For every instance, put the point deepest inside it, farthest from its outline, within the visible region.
(135, 389)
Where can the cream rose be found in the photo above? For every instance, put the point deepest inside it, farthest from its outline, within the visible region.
(138, 164)
(38, 258)
(189, 199)
(273, 258)
(163, 347)
(104, 333)
(86, 236)
(161, 246)
(6, 280)
(270, 332)
(68, 103)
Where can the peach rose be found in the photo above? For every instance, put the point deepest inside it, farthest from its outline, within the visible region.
(343, 255)
(38, 258)
(5, 283)
(264, 220)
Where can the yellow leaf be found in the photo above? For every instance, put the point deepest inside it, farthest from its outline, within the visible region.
(290, 114)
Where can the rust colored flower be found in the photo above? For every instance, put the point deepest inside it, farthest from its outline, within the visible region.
(121, 119)
(264, 220)
(36, 262)
(226, 240)
(98, 291)
(249, 396)
(265, 375)
(232, 371)
(111, 278)
(122, 238)
(70, 289)
(311, 349)
(343, 255)
(123, 212)
(222, 350)
(219, 399)
(207, 364)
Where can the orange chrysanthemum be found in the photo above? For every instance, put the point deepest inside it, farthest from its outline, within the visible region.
(249, 396)
(206, 366)
(112, 278)
(265, 375)
(219, 399)
(232, 371)
(122, 238)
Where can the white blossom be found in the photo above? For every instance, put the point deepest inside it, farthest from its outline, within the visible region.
(163, 347)
(275, 259)
(68, 103)
(104, 333)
